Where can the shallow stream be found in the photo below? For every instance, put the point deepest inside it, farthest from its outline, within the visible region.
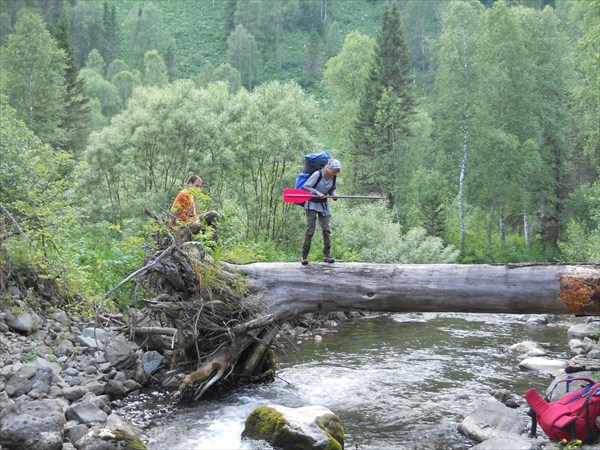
(397, 381)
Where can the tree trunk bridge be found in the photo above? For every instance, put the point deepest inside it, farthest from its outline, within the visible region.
(224, 318)
(289, 289)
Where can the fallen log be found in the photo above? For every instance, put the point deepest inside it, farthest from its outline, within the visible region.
(226, 316)
(289, 289)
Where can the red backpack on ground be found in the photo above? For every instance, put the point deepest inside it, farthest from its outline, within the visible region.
(571, 417)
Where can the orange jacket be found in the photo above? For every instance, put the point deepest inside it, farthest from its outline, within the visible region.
(184, 207)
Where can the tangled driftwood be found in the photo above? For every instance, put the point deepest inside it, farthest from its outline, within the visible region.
(221, 332)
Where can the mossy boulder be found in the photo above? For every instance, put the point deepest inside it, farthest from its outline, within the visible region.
(305, 428)
(105, 439)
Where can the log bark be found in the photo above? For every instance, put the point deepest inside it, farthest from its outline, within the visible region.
(288, 289)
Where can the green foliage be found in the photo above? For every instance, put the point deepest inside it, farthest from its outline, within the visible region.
(114, 68)
(143, 31)
(155, 70)
(242, 54)
(96, 87)
(33, 69)
(386, 110)
(32, 355)
(510, 128)
(88, 28)
(368, 233)
(95, 61)
(344, 79)
(272, 128)
(582, 237)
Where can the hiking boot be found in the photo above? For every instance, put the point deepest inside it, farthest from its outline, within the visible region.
(304, 262)
(328, 259)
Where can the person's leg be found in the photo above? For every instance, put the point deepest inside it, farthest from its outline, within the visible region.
(209, 219)
(324, 222)
(194, 227)
(311, 223)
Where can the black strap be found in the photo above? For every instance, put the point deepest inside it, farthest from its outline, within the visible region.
(533, 432)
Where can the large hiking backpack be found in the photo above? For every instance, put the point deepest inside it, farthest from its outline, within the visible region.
(571, 417)
(312, 163)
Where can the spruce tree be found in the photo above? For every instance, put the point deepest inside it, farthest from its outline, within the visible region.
(111, 45)
(386, 110)
(75, 120)
(32, 78)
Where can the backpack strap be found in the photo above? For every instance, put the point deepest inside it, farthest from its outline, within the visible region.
(533, 432)
(332, 186)
(319, 178)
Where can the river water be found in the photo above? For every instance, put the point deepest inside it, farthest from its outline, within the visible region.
(397, 381)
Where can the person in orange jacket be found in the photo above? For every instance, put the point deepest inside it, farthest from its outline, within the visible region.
(183, 210)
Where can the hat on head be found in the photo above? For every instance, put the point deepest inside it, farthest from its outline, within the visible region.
(334, 164)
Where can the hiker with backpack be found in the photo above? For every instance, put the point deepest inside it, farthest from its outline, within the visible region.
(183, 210)
(322, 185)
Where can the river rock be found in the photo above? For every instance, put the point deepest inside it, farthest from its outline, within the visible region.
(580, 346)
(105, 439)
(582, 330)
(35, 425)
(309, 427)
(86, 413)
(93, 337)
(25, 322)
(559, 387)
(545, 365)
(151, 361)
(537, 319)
(528, 348)
(492, 419)
(120, 352)
(512, 442)
(17, 385)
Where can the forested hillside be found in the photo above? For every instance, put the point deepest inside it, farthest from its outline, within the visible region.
(478, 120)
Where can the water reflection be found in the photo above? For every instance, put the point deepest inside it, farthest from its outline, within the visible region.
(395, 380)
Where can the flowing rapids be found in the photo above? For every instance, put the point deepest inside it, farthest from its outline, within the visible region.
(397, 381)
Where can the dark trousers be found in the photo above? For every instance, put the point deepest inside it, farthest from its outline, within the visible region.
(311, 224)
(207, 220)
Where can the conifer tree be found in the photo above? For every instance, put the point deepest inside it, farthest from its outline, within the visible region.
(386, 111)
(33, 78)
(111, 45)
(75, 120)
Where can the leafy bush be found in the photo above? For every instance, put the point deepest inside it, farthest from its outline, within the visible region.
(582, 241)
(367, 232)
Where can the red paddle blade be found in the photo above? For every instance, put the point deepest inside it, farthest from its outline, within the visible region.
(296, 195)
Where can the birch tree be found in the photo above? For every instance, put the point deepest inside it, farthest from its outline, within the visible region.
(457, 86)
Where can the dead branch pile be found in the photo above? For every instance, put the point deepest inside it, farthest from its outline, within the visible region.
(220, 332)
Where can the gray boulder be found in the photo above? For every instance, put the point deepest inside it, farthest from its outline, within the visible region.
(512, 442)
(120, 352)
(86, 413)
(35, 425)
(93, 337)
(117, 434)
(492, 419)
(306, 428)
(24, 322)
(545, 365)
(582, 330)
(151, 362)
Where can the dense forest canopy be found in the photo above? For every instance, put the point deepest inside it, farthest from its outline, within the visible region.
(478, 119)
